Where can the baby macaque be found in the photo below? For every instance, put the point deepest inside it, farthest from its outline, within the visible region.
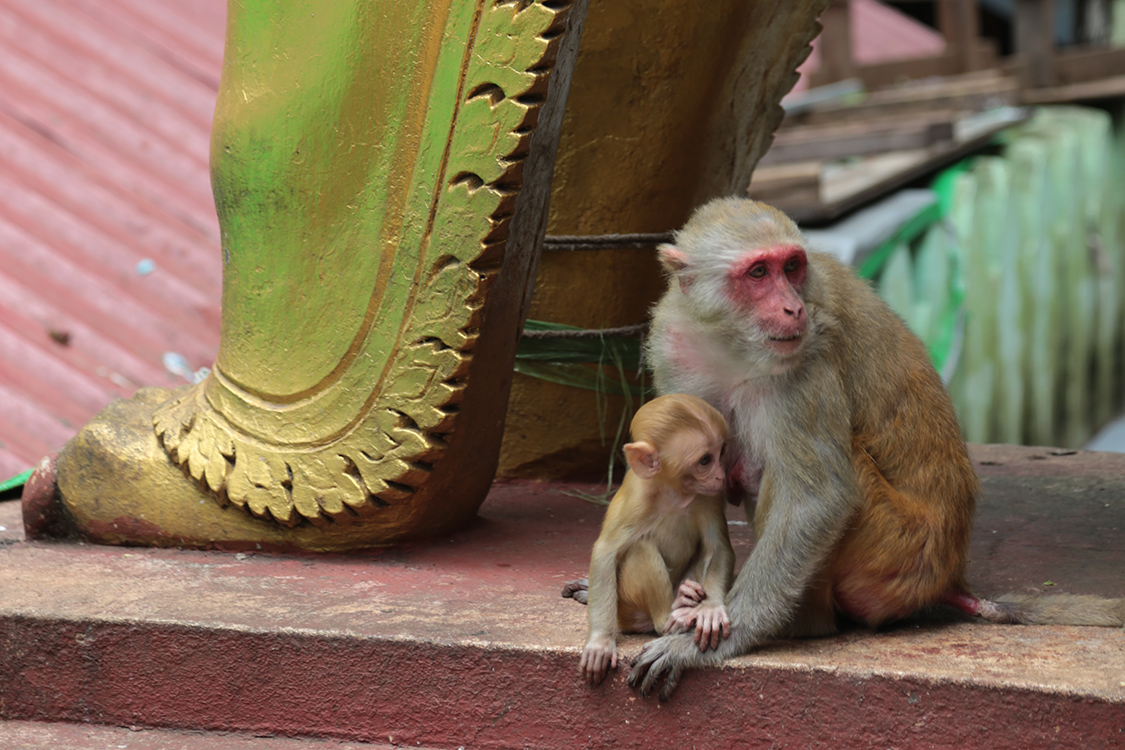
(663, 560)
(841, 428)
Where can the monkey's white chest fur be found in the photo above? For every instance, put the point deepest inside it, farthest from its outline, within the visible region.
(688, 357)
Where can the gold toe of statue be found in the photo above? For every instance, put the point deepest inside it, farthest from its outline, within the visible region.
(118, 485)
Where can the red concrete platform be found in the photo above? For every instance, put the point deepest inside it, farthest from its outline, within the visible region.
(465, 641)
(37, 735)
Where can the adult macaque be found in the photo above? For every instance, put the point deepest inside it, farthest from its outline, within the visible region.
(866, 490)
(665, 528)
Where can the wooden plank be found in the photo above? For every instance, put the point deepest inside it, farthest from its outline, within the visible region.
(972, 92)
(1088, 63)
(831, 142)
(886, 74)
(1073, 65)
(792, 184)
(950, 63)
(984, 81)
(846, 181)
(844, 188)
(1107, 88)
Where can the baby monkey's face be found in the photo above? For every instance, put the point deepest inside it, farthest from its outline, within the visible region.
(700, 461)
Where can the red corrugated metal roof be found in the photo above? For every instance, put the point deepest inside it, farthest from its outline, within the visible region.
(109, 252)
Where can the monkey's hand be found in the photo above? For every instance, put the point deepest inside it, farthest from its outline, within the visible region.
(667, 658)
(711, 625)
(691, 593)
(681, 619)
(684, 609)
(599, 656)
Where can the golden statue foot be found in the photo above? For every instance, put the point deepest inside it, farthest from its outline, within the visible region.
(381, 187)
(115, 483)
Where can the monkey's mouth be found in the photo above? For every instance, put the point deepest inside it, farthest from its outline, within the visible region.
(785, 346)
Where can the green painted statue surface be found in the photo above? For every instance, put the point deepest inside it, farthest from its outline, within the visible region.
(364, 197)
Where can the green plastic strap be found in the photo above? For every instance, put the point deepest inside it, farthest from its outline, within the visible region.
(941, 348)
(19, 480)
(907, 233)
(943, 184)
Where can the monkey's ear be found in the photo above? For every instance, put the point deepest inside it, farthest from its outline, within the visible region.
(676, 263)
(643, 459)
(673, 258)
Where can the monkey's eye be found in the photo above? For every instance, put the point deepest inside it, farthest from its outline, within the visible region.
(792, 265)
(723, 450)
(757, 272)
(706, 460)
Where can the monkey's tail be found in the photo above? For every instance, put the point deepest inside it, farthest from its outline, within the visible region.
(1062, 609)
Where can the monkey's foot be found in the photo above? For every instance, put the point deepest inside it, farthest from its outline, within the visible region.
(577, 590)
(114, 484)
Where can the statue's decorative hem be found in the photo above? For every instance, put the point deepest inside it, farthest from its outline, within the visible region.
(389, 450)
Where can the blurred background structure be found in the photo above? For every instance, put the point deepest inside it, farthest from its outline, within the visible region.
(967, 156)
(1010, 261)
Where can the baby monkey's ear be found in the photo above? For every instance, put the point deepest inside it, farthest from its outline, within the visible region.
(643, 459)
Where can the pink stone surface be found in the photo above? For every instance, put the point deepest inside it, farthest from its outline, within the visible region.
(37, 735)
(466, 641)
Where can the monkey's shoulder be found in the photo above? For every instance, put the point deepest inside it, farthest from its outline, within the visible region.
(859, 325)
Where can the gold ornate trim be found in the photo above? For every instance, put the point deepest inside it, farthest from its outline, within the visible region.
(381, 455)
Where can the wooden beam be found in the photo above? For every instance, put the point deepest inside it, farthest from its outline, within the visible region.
(974, 91)
(791, 184)
(835, 44)
(949, 63)
(1082, 64)
(1035, 41)
(1089, 91)
(959, 23)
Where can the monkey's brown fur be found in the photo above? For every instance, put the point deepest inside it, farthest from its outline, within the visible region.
(867, 491)
(665, 524)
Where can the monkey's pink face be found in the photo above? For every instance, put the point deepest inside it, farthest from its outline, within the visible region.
(766, 284)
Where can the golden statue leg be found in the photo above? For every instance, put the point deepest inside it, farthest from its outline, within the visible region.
(381, 174)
